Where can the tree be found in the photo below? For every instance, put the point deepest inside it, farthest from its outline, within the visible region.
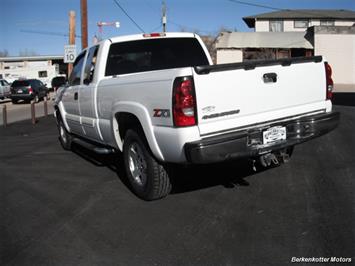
(211, 39)
(4, 53)
(27, 52)
(208, 39)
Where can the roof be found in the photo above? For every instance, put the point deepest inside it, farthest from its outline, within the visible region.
(340, 14)
(31, 58)
(263, 40)
(141, 36)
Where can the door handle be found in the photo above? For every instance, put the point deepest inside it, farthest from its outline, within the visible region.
(75, 96)
(270, 77)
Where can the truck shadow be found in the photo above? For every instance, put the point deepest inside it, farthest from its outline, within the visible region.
(196, 177)
(344, 98)
(184, 178)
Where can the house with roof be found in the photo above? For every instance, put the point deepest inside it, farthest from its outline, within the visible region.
(296, 33)
(299, 20)
(42, 67)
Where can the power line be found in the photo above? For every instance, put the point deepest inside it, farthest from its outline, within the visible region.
(48, 33)
(189, 28)
(257, 5)
(148, 4)
(301, 12)
(124, 11)
(156, 28)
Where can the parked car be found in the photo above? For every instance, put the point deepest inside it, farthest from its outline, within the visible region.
(28, 90)
(159, 99)
(58, 82)
(4, 89)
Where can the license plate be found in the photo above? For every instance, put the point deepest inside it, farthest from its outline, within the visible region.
(20, 91)
(274, 134)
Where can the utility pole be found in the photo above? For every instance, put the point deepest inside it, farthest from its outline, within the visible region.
(84, 23)
(164, 20)
(71, 35)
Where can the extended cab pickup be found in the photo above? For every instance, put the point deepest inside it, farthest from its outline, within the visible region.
(159, 100)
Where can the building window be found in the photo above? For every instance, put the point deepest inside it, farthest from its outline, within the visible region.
(42, 74)
(327, 22)
(301, 23)
(283, 53)
(276, 26)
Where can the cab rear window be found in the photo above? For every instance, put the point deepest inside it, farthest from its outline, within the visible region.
(154, 54)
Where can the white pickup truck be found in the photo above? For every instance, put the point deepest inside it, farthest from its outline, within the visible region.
(159, 100)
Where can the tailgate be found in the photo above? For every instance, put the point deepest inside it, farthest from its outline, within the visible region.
(21, 90)
(234, 95)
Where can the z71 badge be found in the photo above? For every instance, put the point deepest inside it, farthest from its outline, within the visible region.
(165, 113)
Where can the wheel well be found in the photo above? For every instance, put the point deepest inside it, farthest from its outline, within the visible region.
(57, 111)
(127, 121)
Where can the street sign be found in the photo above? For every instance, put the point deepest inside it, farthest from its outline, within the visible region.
(69, 53)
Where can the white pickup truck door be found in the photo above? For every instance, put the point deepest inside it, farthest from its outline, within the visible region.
(233, 98)
(71, 97)
(87, 97)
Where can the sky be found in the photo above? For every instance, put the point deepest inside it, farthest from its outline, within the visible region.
(39, 26)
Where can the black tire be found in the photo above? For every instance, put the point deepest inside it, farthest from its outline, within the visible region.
(14, 101)
(148, 178)
(64, 136)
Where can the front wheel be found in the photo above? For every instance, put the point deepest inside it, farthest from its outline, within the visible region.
(148, 178)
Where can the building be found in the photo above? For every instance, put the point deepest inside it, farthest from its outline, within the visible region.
(294, 33)
(43, 68)
(299, 20)
(243, 46)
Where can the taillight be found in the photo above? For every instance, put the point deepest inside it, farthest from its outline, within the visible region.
(330, 83)
(29, 89)
(184, 102)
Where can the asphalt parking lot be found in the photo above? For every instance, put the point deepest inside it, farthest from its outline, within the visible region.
(73, 208)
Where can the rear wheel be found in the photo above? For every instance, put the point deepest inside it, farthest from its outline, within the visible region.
(148, 178)
(64, 136)
(14, 101)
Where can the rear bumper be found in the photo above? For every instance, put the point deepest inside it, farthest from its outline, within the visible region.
(25, 97)
(249, 142)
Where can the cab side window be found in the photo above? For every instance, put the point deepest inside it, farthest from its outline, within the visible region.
(76, 73)
(90, 65)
